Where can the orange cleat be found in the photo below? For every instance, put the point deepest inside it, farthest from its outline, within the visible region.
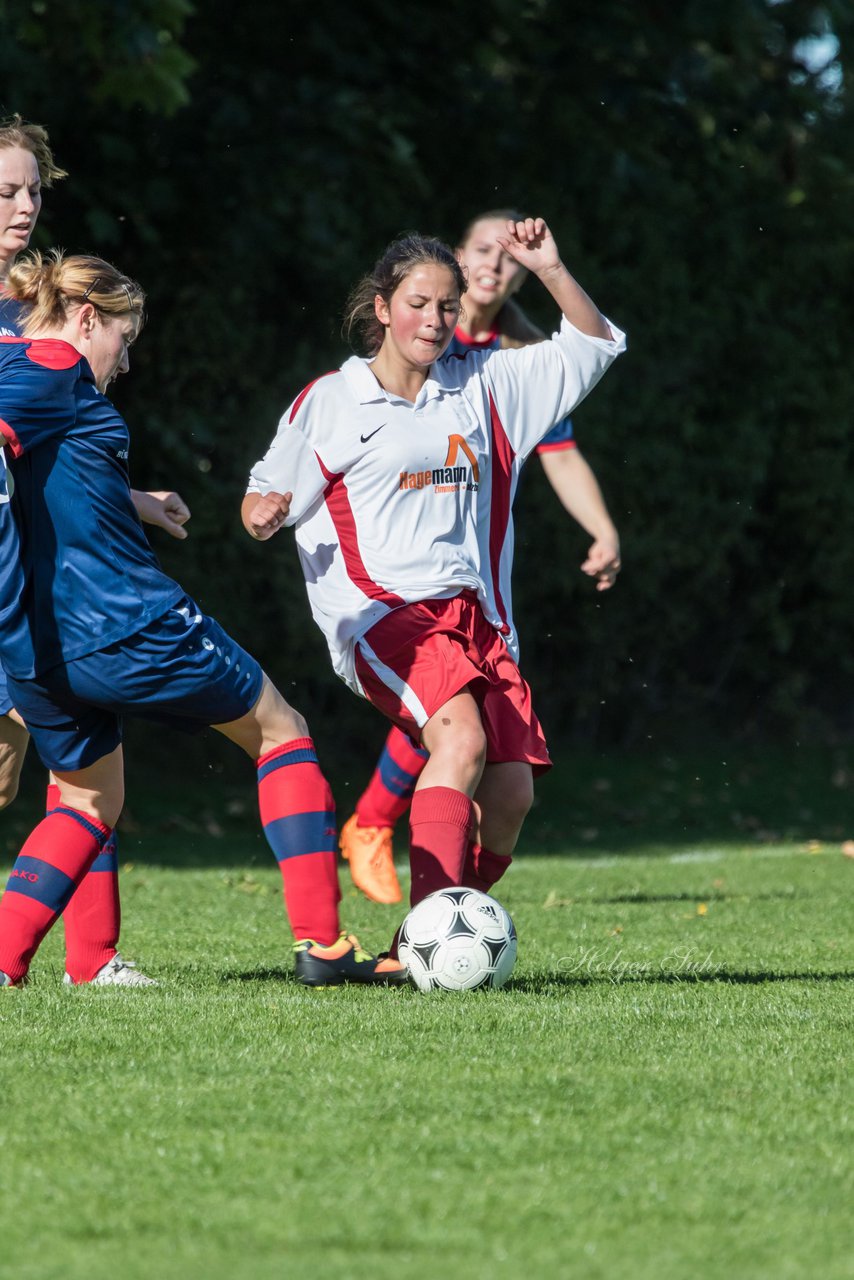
(369, 852)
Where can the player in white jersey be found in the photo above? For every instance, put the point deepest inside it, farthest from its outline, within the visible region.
(492, 321)
(398, 472)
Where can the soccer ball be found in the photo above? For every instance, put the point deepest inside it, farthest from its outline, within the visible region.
(458, 940)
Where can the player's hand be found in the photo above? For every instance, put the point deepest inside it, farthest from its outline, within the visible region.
(532, 244)
(268, 515)
(164, 508)
(603, 563)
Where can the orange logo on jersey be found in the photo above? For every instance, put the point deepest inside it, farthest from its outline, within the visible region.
(448, 478)
(455, 443)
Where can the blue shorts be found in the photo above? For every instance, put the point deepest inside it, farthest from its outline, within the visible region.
(6, 703)
(181, 670)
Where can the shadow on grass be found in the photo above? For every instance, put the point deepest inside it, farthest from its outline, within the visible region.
(546, 983)
(542, 985)
(653, 898)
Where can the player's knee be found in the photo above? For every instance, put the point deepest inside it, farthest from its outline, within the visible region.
(468, 747)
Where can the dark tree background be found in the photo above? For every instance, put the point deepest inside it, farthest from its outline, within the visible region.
(247, 164)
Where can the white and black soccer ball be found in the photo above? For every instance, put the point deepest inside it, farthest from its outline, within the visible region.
(458, 940)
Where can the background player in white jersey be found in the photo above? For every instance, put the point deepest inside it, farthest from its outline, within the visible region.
(92, 919)
(398, 472)
(491, 320)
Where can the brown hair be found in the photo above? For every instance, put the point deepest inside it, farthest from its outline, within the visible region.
(53, 286)
(16, 132)
(388, 274)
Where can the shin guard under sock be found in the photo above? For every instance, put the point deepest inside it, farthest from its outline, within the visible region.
(298, 817)
(52, 862)
(439, 824)
(92, 919)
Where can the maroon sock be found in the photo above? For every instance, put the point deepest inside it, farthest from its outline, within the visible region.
(483, 868)
(439, 824)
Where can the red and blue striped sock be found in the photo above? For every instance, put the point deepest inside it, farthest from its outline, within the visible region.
(54, 859)
(439, 823)
(93, 917)
(298, 816)
(386, 797)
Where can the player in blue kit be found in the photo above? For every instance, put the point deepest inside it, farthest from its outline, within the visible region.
(93, 918)
(91, 629)
(491, 321)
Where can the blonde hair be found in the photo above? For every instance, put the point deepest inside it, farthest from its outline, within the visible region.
(16, 132)
(53, 286)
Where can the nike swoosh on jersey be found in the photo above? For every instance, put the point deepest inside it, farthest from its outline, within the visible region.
(365, 439)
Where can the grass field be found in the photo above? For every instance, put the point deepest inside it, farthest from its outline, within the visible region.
(663, 1090)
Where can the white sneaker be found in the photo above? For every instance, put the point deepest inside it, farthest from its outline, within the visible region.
(116, 973)
(6, 981)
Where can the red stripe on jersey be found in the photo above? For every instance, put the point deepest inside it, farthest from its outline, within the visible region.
(556, 447)
(53, 353)
(499, 519)
(338, 504)
(10, 438)
(302, 395)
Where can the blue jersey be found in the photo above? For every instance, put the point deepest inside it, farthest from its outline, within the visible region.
(76, 570)
(10, 316)
(9, 564)
(561, 435)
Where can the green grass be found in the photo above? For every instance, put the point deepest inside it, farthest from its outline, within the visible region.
(663, 1090)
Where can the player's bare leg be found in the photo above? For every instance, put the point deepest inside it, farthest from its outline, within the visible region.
(13, 747)
(501, 804)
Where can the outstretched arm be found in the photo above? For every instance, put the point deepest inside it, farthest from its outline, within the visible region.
(163, 508)
(532, 244)
(572, 479)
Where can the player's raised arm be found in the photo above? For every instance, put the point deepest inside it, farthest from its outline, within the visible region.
(532, 244)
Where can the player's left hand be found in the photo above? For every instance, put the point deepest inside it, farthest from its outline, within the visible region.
(166, 509)
(531, 243)
(603, 563)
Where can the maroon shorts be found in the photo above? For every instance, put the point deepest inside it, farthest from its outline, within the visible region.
(418, 657)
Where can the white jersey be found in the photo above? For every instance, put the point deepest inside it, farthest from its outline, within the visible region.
(396, 502)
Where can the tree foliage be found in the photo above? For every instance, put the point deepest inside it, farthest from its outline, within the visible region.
(695, 162)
